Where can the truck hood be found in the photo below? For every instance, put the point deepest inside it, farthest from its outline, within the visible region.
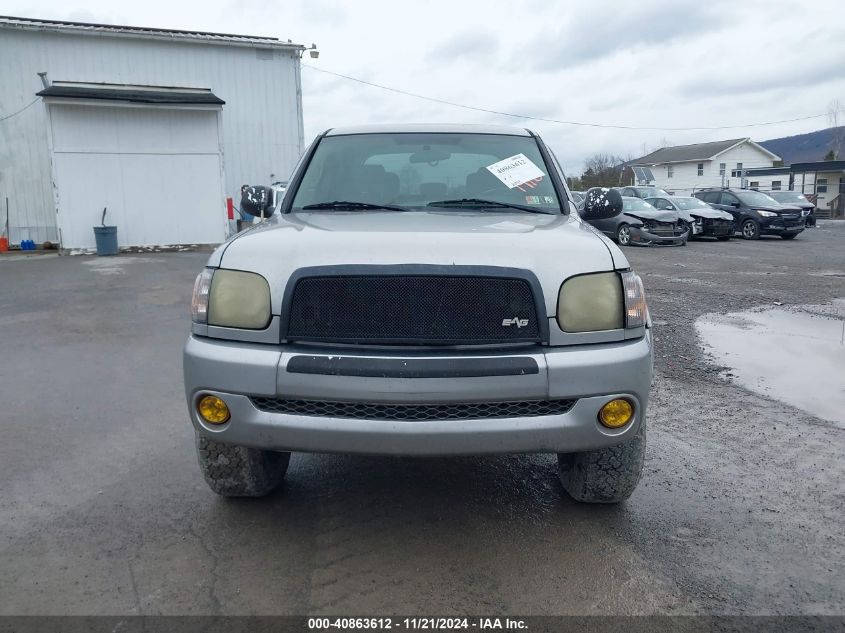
(554, 247)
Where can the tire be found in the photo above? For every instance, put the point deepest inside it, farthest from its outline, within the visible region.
(723, 238)
(608, 475)
(238, 471)
(623, 235)
(789, 236)
(750, 230)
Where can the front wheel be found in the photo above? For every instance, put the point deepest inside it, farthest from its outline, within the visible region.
(608, 475)
(750, 230)
(238, 471)
(623, 235)
(789, 236)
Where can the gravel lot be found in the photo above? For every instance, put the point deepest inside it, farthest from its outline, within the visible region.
(103, 509)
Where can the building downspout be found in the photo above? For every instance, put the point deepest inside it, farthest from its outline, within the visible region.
(298, 72)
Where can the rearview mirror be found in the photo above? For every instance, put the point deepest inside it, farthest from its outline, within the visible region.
(257, 200)
(602, 203)
(430, 156)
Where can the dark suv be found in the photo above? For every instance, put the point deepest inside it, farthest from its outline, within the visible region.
(755, 213)
(797, 199)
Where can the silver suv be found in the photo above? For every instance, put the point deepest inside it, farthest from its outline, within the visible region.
(421, 290)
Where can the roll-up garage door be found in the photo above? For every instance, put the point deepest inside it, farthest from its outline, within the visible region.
(158, 171)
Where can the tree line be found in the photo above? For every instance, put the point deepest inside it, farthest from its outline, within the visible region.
(600, 170)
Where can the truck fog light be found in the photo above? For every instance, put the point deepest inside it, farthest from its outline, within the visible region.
(616, 413)
(213, 410)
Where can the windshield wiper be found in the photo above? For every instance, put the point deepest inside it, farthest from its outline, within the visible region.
(352, 206)
(468, 203)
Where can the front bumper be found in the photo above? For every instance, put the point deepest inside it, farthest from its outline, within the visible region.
(642, 236)
(777, 226)
(589, 374)
(712, 228)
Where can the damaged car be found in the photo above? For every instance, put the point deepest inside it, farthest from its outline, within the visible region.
(697, 216)
(640, 223)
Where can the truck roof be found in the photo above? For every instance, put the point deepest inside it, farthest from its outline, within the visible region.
(430, 128)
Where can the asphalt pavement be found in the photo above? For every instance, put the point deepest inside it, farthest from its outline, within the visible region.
(103, 509)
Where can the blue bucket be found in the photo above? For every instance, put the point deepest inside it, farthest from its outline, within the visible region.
(106, 237)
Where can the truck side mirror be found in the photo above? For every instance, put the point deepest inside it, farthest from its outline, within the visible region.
(257, 200)
(602, 203)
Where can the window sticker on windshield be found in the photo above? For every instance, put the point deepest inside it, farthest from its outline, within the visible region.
(539, 200)
(517, 172)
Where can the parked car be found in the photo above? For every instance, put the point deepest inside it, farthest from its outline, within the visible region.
(642, 191)
(640, 223)
(459, 308)
(698, 216)
(797, 199)
(578, 198)
(755, 213)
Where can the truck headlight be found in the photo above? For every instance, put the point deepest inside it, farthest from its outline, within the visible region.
(602, 301)
(636, 309)
(231, 298)
(199, 300)
(239, 299)
(588, 303)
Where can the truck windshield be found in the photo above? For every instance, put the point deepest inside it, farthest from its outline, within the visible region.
(417, 171)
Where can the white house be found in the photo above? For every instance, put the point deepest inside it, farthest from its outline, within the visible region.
(684, 169)
(157, 126)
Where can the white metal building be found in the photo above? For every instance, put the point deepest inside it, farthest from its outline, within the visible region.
(158, 126)
(686, 168)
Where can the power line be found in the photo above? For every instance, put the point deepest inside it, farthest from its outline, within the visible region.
(9, 116)
(545, 120)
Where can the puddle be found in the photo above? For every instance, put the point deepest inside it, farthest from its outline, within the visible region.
(795, 355)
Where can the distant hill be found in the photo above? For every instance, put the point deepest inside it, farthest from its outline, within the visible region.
(805, 148)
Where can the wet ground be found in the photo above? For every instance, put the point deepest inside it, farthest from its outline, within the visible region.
(795, 354)
(103, 509)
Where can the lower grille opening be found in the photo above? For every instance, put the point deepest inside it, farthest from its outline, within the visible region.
(414, 412)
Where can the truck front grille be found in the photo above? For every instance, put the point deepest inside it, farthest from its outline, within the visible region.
(419, 309)
(413, 412)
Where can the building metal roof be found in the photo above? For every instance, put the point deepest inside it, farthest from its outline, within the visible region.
(821, 165)
(35, 24)
(133, 95)
(800, 168)
(695, 152)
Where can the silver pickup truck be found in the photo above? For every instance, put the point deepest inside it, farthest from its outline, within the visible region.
(421, 290)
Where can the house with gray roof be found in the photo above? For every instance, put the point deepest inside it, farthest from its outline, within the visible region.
(684, 169)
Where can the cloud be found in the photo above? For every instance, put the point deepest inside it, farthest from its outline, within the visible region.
(768, 79)
(474, 45)
(606, 29)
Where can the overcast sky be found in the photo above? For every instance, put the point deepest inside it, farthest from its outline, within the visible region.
(650, 63)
